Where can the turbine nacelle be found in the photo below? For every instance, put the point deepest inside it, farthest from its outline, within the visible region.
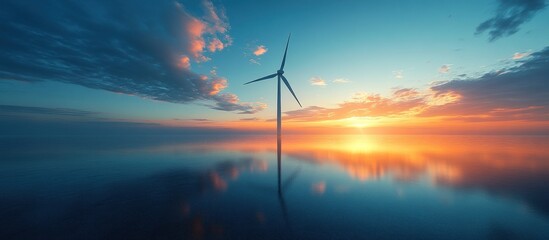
(279, 73)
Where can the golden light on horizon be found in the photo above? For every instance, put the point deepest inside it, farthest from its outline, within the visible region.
(358, 122)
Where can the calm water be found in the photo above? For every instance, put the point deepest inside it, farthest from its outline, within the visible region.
(332, 187)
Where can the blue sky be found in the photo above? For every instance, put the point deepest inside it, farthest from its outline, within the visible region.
(377, 46)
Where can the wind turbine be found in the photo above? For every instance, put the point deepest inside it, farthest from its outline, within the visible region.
(280, 75)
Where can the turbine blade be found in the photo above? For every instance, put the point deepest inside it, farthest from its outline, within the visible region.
(290, 88)
(263, 78)
(285, 51)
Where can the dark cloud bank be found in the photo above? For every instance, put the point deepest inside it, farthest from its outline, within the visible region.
(517, 93)
(510, 14)
(28, 121)
(129, 47)
(24, 110)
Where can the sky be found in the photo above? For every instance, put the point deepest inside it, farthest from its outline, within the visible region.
(356, 66)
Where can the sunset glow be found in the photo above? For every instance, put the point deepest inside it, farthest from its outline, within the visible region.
(194, 62)
(274, 119)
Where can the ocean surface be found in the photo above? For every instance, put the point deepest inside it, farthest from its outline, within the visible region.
(229, 187)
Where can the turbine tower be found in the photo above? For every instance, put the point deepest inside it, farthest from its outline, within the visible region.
(280, 75)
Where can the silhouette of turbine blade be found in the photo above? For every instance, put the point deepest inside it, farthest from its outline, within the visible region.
(285, 51)
(263, 78)
(290, 88)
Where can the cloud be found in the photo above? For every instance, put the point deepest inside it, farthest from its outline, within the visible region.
(444, 68)
(200, 120)
(196, 120)
(217, 18)
(398, 74)
(215, 45)
(256, 51)
(519, 55)
(317, 81)
(217, 85)
(195, 29)
(141, 49)
(230, 102)
(406, 93)
(363, 104)
(510, 14)
(260, 50)
(341, 80)
(250, 119)
(185, 62)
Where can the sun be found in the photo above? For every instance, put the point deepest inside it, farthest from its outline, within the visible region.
(359, 125)
(357, 122)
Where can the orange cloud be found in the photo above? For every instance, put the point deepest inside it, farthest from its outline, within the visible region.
(260, 50)
(363, 104)
(443, 98)
(184, 62)
(406, 93)
(218, 85)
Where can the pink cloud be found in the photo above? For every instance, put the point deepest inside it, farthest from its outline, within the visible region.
(216, 17)
(215, 45)
(260, 50)
(195, 29)
(213, 25)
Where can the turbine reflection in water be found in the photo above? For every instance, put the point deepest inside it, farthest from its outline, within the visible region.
(280, 75)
